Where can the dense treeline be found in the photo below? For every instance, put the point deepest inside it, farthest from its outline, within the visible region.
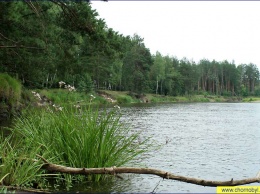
(178, 77)
(42, 43)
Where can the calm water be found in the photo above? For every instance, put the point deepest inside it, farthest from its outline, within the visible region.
(217, 141)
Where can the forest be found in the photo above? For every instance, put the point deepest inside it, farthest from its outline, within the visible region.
(71, 144)
(43, 43)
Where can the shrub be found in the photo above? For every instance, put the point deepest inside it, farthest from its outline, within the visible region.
(124, 99)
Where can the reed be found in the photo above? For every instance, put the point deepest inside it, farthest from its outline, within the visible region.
(80, 138)
(18, 166)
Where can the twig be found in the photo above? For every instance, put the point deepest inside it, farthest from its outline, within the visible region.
(157, 186)
(7, 38)
(43, 159)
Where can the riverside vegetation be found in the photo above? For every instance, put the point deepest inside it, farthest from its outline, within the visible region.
(86, 138)
(43, 43)
(74, 134)
(10, 95)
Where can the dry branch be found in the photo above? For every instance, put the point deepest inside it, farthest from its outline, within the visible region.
(7, 38)
(118, 170)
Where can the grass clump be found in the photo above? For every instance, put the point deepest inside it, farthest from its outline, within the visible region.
(251, 99)
(61, 96)
(10, 90)
(160, 98)
(65, 97)
(18, 167)
(79, 138)
(124, 99)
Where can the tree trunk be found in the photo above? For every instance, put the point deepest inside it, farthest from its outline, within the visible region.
(213, 88)
(199, 85)
(157, 85)
(161, 87)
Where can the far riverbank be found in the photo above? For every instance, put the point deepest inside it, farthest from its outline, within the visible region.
(62, 97)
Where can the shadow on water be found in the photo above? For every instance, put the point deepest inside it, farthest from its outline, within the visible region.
(108, 185)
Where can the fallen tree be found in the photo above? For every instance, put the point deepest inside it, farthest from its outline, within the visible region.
(166, 175)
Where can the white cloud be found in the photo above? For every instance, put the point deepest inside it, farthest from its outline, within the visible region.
(202, 29)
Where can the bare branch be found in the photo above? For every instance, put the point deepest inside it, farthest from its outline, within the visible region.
(118, 170)
(7, 38)
(30, 4)
(42, 158)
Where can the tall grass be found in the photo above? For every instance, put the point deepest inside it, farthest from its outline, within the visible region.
(87, 138)
(64, 97)
(18, 166)
(10, 90)
(125, 99)
(251, 99)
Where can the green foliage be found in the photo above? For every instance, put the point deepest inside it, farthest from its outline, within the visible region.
(226, 93)
(18, 165)
(4, 89)
(69, 42)
(257, 91)
(64, 97)
(124, 99)
(200, 99)
(27, 96)
(251, 99)
(84, 84)
(136, 66)
(85, 138)
(5, 191)
(10, 90)
(204, 93)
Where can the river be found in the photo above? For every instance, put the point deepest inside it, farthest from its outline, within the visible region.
(215, 141)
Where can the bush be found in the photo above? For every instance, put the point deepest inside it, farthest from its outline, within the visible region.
(226, 93)
(124, 99)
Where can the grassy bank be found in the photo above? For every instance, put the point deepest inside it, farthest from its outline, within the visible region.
(104, 97)
(65, 97)
(10, 95)
(131, 98)
(251, 99)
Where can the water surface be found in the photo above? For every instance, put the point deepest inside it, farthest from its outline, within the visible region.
(216, 141)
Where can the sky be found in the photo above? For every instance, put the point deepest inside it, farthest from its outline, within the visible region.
(220, 30)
